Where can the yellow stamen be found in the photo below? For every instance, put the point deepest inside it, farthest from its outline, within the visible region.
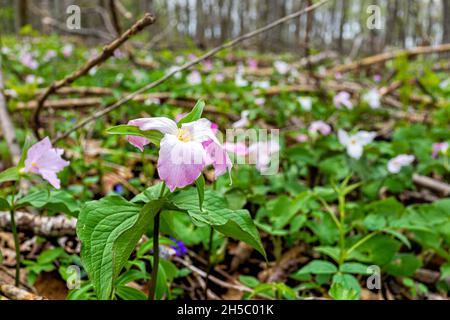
(183, 135)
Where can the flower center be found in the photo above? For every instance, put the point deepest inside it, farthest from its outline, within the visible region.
(353, 141)
(183, 135)
(34, 164)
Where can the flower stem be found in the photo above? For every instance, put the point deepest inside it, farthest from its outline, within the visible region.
(15, 235)
(17, 246)
(152, 287)
(208, 266)
(154, 278)
(342, 229)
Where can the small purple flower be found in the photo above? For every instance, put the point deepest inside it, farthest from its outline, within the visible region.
(207, 65)
(179, 247)
(439, 147)
(377, 77)
(118, 188)
(73, 120)
(27, 60)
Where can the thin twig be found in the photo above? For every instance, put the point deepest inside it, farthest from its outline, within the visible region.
(107, 52)
(207, 55)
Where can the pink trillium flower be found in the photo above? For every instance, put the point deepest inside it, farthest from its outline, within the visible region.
(207, 65)
(243, 122)
(194, 78)
(355, 143)
(343, 99)
(281, 67)
(377, 77)
(184, 152)
(319, 126)
(301, 137)
(396, 164)
(46, 161)
(27, 60)
(67, 50)
(219, 77)
(50, 54)
(252, 63)
(439, 147)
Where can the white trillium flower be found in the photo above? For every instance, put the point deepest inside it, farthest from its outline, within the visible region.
(372, 98)
(305, 103)
(396, 164)
(239, 81)
(261, 84)
(194, 78)
(281, 67)
(355, 143)
(177, 75)
(243, 122)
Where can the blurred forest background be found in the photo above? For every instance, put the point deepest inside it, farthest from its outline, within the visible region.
(341, 26)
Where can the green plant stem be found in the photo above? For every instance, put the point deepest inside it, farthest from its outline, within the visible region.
(342, 228)
(209, 265)
(155, 267)
(15, 235)
(152, 287)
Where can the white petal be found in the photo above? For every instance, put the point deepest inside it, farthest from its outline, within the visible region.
(365, 137)
(343, 137)
(355, 150)
(161, 124)
(200, 130)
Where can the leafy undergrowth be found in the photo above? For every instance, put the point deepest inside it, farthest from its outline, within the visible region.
(333, 224)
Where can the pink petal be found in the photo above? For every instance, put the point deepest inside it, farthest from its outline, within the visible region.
(237, 148)
(51, 177)
(217, 156)
(138, 142)
(161, 124)
(45, 160)
(35, 152)
(180, 163)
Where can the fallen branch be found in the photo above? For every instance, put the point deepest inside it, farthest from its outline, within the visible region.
(107, 52)
(13, 293)
(432, 184)
(212, 278)
(383, 57)
(56, 226)
(186, 66)
(164, 97)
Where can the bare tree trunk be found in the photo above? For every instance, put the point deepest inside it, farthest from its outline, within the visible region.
(21, 9)
(446, 21)
(200, 25)
(341, 25)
